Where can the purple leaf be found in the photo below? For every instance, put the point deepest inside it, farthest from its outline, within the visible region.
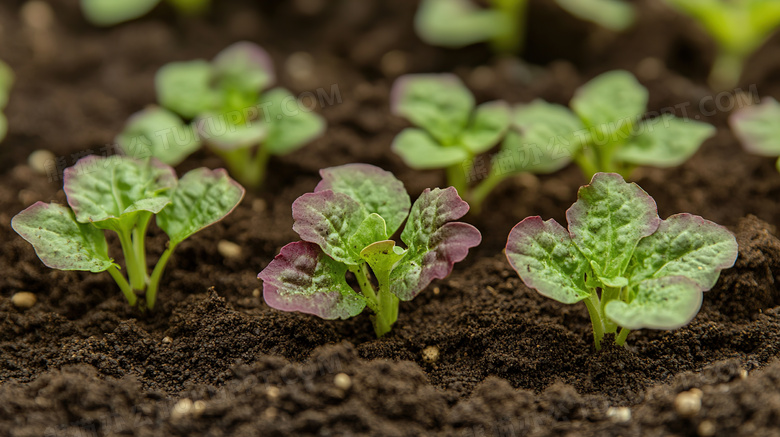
(328, 219)
(303, 278)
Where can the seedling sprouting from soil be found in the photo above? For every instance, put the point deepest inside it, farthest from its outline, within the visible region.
(110, 12)
(758, 128)
(458, 23)
(739, 27)
(229, 110)
(632, 269)
(346, 225)
(121, 194)
(6, 80)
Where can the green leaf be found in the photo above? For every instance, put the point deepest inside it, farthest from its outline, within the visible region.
(421, 152)
(607, 222)
(289, 126)
(60, 241)
(225, 132)
(382, 256)
(610, 103)
(240, 72)
(662, 303)
(758, 127)
(667, 142)
(438, 103)
(458, 23)
(202, 198)
(110, 12)
(685, 245)
(547, 260)
(108, 192)
(616, 15)
(6, 80)
(489, 125)
(303, 278)
(329, 219)
(372, 229)
(376, 190)
(160, 131)
(186, 88)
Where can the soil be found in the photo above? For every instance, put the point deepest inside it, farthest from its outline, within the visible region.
(478, 353)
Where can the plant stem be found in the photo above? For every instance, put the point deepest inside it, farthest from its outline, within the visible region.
(246, 168)
(513, 39)
(456, 177)
(388, 305)
(585, 164)
(139, 241)
(479, 193)
(127, 290)
(135, 271)
(154, 281)
(595, 319)
(608, 294)
(620, 340)
(726, 71)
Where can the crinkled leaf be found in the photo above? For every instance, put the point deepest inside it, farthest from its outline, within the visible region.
(439, 103)
(329, 219)
(610, 102)
(110, 12)
(661, 303)
(186, 88)
(226, 132)
(109, 191)
(457, 23)
(607, 221)
(545, 257)
(489, 125)
(376, 190)
(685, 245)
(758, 127)
(666, 142)
(60, 241)
(616, 15)
(382, 256)
(243, 67)
(303, 278)
(161, 132)
(289, 126)
(434, 245)
(6, 80)
(372, 229)
(421, 152)
(202, 198)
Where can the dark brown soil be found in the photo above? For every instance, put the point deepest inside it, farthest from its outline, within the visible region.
(215, 360)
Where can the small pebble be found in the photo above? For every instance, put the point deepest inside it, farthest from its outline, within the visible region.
(228, 249)
(256, 292)
(743, 374)
(436, 290)
(270, 413)
(706, 429)
(23, 300)
(430, 354)
(619, 414)
(167, 340)
(272, 392)
(342, 381)
(198, 407)
(182, 408)
(39, 159)
(688, 403)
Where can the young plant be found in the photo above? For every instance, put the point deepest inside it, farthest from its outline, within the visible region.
(122, 194)
(111, 12)
(458, 23)
(632, 269)
(738, 28)
(6, 80)
(229, 110)
(346, 225)
(758, 128)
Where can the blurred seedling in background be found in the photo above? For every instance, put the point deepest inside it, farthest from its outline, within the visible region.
(630, 268)
(758, 128)
(111, 12)
(228, 108)
(6, 80)
(346, 225)
(122, 194)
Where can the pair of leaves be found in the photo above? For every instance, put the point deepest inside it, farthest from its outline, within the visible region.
(758, 128)
(348, 221)
(115, 193)
(449, 127)
(615, 239)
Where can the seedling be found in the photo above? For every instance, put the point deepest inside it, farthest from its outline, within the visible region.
(122, 194)
(111, 12)
(650, 272)
(346, 225)
(758, 128)
(458, 23)
(6, 80)
(228, 110)
(738, 27)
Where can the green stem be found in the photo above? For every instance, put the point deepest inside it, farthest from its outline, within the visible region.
(361, 274)
(127, 290)
(585, 164)
(388, 305)
(139, 241)
(247, 169)
(595, 319)
(154, 281)
(621, 338)
(479, 193)
(456, 177)
(135, 271)
(726, 71)
(513, 39)
(608, 294)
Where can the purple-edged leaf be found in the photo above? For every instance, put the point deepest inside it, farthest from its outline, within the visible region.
(164, 133)
(607, 221)
(660, 303)
(547, 260)
(244, 66)
(302, 278)
(376, 190)
(202, 198)
(421, 152)
(758, 127)
(665, 142)
(103, 190)
(438, 103)
(60, 241)
(685, 245)
(329, 219)
(434, 245)
(186, 88)
(487, 127)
